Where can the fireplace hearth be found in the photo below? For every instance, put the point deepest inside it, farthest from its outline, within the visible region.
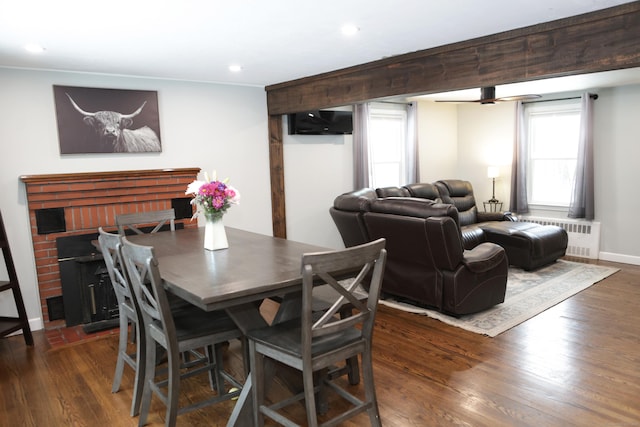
(87, 293)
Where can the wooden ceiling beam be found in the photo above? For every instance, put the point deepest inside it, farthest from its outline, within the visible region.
(598, 41)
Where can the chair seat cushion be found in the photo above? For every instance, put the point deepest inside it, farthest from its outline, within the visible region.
(287, 336)
(193, 322)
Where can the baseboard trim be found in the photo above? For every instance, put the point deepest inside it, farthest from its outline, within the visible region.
(625, 259)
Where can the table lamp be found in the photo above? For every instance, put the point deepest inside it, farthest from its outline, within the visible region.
(493, 173)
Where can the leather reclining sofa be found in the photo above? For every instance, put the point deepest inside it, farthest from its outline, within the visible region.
(442, 252)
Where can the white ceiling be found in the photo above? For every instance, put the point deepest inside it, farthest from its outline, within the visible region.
(273, 41)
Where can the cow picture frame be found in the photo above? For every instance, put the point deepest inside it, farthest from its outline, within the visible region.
(95, 120)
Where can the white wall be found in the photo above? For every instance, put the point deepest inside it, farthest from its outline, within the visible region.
(438, 141)
(617, 150)
(317, 169)
(485, 138)
(209, 126)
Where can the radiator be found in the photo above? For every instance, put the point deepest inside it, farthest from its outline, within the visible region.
(584, 236)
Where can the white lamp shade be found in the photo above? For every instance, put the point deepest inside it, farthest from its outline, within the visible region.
(493, 172)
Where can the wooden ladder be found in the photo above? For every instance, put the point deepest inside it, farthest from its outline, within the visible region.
(9, 325)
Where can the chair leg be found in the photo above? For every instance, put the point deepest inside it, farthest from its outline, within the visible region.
(245, 356)
(353, 370)
(173, 388)
(122, 350)
(257, 384)
(310, 398)
(219, 366)
(149, 375)
(133, 332)
(369, 388)
(353, 367)
(141, 359)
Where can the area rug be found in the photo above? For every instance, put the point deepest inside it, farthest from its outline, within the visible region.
(528, 294)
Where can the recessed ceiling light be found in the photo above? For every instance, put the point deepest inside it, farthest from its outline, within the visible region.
(34, 48)
(350, 30)
(235, 68)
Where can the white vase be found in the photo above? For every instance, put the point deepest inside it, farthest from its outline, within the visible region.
(215, 236)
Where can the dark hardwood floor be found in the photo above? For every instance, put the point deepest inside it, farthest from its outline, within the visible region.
(577, 364)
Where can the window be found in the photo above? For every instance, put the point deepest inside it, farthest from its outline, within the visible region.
(387, 145)
(552, 134)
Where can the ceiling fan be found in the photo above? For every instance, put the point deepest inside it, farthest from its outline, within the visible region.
(488, 96)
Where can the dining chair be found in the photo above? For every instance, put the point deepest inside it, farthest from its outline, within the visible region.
(318, 340)
(129, 314)
(178, 332)
(155, 219)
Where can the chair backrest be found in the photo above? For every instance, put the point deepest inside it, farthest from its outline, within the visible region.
(136, 220)
(142, 268)
(110, 247)
(460, 194)
(346, 271)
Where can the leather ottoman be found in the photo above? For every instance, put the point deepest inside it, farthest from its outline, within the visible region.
(528, 245)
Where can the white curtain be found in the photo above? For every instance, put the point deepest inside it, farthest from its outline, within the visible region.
(412, 164)
(361, 172)
(519, 201)
(582, 197)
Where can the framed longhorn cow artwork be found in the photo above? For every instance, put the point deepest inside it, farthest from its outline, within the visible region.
(92, 120)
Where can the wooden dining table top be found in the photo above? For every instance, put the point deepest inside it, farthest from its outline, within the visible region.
(255, 266)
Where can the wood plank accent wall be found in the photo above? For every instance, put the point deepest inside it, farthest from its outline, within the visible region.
(598, 41)
(92, 200)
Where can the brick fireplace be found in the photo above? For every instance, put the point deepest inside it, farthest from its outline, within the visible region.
(75, 204)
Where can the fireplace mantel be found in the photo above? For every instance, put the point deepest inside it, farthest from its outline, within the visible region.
(95, 176)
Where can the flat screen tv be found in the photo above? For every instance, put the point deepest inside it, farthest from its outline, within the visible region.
(321, 122)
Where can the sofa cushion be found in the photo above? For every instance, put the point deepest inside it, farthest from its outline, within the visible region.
(392, 192)
(460, 194)
(412, 206)
(424, 190)
(472, 236)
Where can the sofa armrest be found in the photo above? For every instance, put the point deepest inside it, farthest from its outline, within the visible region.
(484, 257)
(510, 216)
(444, 238)
(496, 216)
(355, 201)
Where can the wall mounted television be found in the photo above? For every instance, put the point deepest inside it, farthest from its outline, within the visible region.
(321, 122)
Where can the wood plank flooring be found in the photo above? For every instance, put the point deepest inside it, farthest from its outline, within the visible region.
(577, 364)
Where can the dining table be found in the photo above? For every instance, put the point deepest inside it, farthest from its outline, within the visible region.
(254, 267)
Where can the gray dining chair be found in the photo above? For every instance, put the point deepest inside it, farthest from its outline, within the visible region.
(153, 220)
(318, 340)
(129, 315)
(177, 332)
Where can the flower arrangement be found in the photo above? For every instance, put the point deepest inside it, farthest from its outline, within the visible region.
(212, 197)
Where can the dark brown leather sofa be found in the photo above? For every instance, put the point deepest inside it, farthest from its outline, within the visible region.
(426, 262)
(527, 245)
